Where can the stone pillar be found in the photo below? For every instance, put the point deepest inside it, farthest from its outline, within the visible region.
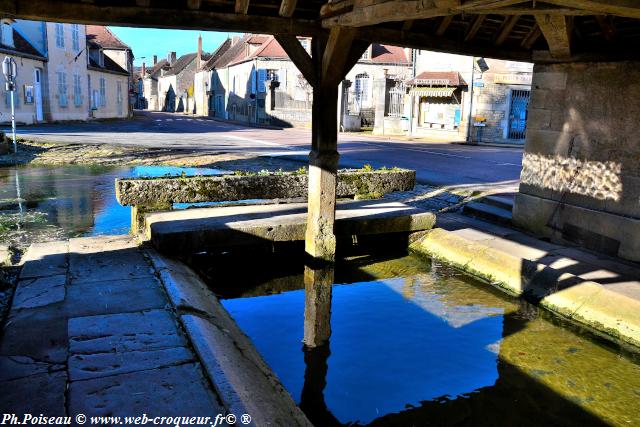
(317, 306)
(379, 101)
(580, 179)
(320, 241)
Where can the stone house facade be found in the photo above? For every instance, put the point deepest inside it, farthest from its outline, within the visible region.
(253, 80)
(176, 83)
(55, 73)
(439, 102)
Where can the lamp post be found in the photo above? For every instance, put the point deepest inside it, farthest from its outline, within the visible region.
(10, 71)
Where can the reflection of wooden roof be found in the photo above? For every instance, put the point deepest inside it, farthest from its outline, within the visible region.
(544, 31)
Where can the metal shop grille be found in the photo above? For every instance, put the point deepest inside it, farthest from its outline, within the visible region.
(518, 113)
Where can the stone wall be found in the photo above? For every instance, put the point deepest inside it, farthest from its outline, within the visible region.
(580, 180)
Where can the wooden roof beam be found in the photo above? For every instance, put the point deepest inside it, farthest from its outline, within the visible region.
(242, 7)
(477, 23)
(335, 56)
(444, 24)
(194, 4)
(371, 12)
(555, 31)
(509, 23)
(287, 7)
(531, 38)
(625, 8)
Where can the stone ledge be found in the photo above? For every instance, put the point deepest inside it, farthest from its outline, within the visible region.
(589, 303)
(165, 191)
(243, 381)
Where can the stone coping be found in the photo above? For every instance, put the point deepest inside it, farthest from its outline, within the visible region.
(608, 313)
(164, 191)
(242, 379)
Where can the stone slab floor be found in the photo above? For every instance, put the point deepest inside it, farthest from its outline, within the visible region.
(90, 331)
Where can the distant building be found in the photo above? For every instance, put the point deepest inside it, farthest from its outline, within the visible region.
(59, 67)
(438, 100)
(149, 77)
(251, 79)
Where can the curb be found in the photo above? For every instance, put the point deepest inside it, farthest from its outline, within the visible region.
(588, 303)
(241, 378)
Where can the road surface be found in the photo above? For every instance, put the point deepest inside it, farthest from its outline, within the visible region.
(435, 163)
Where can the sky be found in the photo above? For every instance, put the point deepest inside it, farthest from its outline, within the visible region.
(146, 42)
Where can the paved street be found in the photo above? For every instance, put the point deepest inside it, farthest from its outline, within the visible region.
(435, 163)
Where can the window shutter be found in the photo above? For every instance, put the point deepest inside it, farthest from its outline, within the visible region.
(253, 81)
(262, 76)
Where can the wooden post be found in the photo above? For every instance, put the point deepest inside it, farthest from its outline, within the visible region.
(330, 61)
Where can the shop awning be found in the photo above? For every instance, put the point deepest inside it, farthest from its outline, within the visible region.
(438, 92)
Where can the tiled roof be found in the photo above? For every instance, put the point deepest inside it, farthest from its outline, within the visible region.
(22, 46)
(156, 68)
(382, 53)
(180, 64)
(439, 78)
(221, 50)
(102, 36)
(109, 65)
(231, 53)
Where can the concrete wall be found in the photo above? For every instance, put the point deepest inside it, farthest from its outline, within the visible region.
(25, 112)
(581, 175)
(202, 84)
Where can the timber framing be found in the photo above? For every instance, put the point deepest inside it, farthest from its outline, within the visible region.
(524, 30)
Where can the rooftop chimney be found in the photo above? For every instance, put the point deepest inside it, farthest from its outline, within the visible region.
(155, 59)
(171, 58)
(199, 57)
(144, 70)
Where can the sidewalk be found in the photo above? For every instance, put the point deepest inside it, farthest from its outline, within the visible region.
(596, 290)
(92, 331)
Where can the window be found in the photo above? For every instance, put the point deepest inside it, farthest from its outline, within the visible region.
(362, 87)
(7, 34)
(75, 37)
(366, 54)
(305, 44)
(62, 89)
(103, 92)
(77, 90)
(119, 93)
(60, 35)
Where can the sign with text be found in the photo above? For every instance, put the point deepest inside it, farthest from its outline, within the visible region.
(512, 79)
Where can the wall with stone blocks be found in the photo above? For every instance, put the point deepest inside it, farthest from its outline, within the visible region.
(580, 180)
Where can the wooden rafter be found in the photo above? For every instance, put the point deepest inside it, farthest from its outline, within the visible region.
(477, 23)
(531, 38)
(444, 24)
(626, 8)
(555, 31)
(287, 7)
(509, 23)
(194, 4)
(242, 6)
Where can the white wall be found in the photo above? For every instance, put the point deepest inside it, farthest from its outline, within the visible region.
(25, 112)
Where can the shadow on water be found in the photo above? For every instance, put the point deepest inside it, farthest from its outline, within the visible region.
(393, 340)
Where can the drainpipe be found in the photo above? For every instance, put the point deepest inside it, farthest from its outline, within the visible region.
(411, 97)
(473, 69)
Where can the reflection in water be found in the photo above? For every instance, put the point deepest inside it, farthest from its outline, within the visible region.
(68, 201)
(405, 342)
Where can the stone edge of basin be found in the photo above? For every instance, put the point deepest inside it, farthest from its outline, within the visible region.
(588, 303)
(242, 379)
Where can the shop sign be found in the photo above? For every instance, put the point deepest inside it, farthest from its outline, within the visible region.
(512, 79)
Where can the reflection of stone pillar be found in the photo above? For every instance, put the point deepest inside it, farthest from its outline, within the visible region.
(317, 307)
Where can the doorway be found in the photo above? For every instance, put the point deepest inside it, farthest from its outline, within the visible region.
(37, 84)
(518, 113)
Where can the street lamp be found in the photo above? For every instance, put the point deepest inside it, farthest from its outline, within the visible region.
(10, 71)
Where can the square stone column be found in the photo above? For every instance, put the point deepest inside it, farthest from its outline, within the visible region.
(580, 179)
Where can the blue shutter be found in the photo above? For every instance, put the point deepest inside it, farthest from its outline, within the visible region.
(262, 76)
